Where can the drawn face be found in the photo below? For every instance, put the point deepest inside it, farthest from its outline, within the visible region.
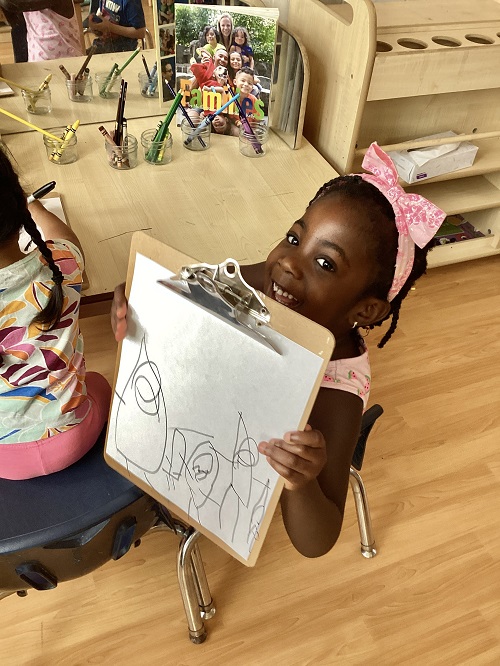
(220, 58)
(226, 26)
(211, 38)
(235, 61)
(239, 37)
(322, 266)
(201, 472)
(244, 82)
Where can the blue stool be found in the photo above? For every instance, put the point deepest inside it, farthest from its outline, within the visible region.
(64, 525)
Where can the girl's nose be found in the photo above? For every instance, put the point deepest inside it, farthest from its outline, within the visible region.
(291, 264)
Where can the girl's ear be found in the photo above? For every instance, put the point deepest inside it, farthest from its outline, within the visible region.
(369, 310)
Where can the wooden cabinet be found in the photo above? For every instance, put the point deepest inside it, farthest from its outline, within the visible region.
(396, 71)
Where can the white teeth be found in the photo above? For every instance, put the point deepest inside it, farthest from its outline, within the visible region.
(279, 291)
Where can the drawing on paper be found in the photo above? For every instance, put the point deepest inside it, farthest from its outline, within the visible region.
(189, 467)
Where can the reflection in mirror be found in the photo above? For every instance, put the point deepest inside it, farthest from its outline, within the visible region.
(290, 77)
(290, 86)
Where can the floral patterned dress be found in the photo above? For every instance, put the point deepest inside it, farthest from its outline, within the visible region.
(42, 373)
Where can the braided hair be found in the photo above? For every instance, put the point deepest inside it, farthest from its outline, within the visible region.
(14, 215)
(382, 241)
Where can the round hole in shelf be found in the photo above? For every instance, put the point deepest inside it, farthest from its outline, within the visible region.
(446, 41)
(479, 39)
(412, 43)
(383, 47)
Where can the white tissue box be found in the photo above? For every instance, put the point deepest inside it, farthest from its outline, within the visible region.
(416, 165)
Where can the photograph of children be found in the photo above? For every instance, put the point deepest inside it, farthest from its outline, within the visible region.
(222, 51)
(166, 12)
(167, 40)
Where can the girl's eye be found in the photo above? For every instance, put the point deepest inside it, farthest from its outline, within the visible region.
(292, 239)
(326, 264)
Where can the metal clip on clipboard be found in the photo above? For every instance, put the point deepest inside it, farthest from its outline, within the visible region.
(221, 289)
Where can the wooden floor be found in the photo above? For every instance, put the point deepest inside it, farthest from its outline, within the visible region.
(432, 594)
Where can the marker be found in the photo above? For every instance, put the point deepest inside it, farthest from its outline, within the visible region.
(206, 121)
(257, 146)
(42, 191)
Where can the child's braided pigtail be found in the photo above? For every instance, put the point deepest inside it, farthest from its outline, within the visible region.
(51, 313)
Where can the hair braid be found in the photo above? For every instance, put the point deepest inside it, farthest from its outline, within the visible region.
(51, 313)
(383, 242)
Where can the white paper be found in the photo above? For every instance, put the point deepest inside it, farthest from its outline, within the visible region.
(194, 396)
(53, 205)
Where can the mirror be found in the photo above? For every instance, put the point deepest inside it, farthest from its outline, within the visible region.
(290, 78)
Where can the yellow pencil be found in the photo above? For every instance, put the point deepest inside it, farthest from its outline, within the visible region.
(45, 83)
(17, 85)
(25, 122)
(68, 135)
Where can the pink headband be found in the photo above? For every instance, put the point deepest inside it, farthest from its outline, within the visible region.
(417, 219)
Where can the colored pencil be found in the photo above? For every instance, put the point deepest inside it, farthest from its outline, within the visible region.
(25, 122)
(184, 112)
(244, 121)
(206, 121)
(87, 60)
(18, 85)
(127, 62)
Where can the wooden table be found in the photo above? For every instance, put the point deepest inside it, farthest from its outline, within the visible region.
(210, 205)
(31, 74)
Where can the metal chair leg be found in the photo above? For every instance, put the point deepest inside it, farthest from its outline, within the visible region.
(206, 603)
(363, 511)
(188, 587)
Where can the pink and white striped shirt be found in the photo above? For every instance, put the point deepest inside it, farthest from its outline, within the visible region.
(51, 35)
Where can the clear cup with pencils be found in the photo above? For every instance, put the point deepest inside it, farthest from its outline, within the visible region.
(147, 85)
(187, 129)
(80, 90)
(69, 152)
(37, 102)
(253, 139)
(156, 150)
(108, 84)
(123, 157)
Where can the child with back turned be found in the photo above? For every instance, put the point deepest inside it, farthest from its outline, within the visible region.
(347, 263)
(51, 411)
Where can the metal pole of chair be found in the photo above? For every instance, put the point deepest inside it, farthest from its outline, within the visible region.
(364, 521)
(206, 603)
(188, 587)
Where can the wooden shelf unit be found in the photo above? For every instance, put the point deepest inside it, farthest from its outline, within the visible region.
(396, 71)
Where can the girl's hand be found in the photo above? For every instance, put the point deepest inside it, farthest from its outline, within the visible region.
(299, 457)
(119, 308)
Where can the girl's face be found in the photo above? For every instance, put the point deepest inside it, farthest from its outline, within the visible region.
(226, 26)
(239, 37)
(322, 266)
(235, 61)
(211, 38)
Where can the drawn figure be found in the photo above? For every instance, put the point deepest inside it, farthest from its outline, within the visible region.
(257, 515)
(144, 403)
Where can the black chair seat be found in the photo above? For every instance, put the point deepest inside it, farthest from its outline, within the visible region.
(70, 522)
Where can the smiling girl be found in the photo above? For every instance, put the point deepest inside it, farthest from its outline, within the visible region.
(347, 263)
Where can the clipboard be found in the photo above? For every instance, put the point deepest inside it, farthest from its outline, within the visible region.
(209, 368)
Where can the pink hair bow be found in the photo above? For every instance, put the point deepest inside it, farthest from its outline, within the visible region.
(417, 219)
